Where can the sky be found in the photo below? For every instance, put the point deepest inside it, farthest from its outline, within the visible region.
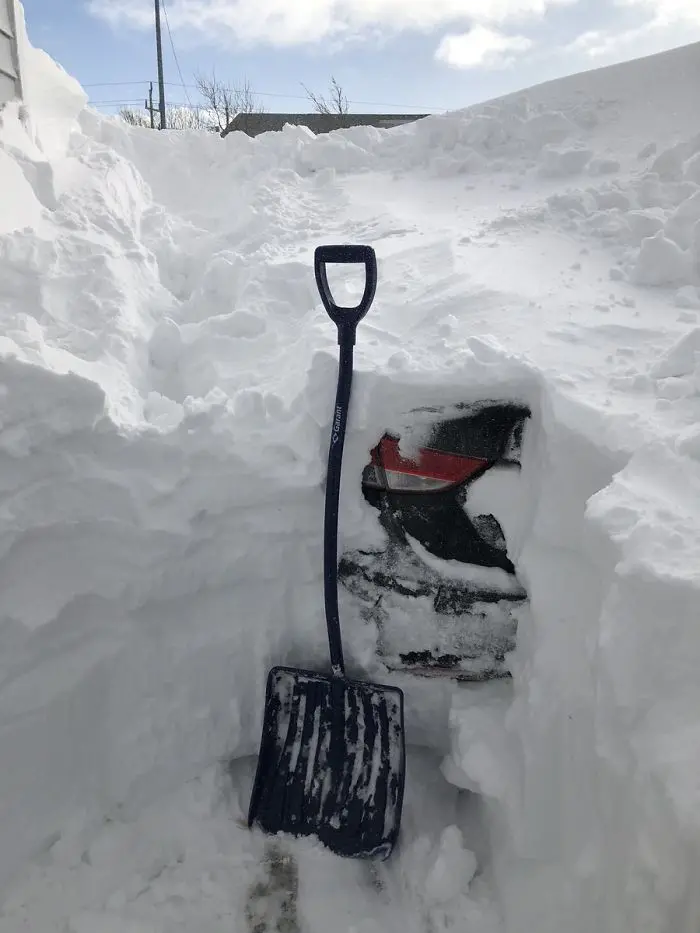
(392, 56)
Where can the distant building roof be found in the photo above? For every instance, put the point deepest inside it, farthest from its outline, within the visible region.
(255, 123)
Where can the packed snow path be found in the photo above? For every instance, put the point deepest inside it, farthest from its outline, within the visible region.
(167, 381)
(189, 863)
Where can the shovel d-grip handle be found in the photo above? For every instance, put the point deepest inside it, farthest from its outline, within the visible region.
(346, 319)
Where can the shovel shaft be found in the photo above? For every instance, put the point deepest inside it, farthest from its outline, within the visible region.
(330, 528)
(346, 320)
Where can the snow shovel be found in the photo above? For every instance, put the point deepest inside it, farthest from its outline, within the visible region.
(332, 753)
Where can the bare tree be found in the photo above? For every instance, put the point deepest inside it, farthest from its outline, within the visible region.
(186, 118)
(176, 118)
(336, 103)
(223, 101)
(134, 117)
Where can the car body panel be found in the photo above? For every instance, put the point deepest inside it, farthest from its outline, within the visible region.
(443, 592)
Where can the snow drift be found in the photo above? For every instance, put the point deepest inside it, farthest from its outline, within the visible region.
(167, 378)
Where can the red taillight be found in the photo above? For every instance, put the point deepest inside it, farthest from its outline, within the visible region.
(432, 471)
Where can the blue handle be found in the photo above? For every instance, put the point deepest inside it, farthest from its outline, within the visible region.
(346, 320)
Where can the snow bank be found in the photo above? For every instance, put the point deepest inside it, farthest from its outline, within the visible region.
(607, 714)
(167, 375)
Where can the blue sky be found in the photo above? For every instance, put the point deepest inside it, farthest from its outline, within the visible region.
(388, 55)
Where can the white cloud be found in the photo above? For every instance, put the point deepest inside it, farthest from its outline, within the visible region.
(597, 44)
(481, 48)
(668, 12)
(294, 22)
(669, 22)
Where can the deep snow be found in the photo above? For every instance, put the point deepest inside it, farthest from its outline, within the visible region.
(167, 382)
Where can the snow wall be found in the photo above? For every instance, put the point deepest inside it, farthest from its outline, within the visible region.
(167, 377)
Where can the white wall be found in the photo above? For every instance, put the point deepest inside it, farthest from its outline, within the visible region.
(10, 86)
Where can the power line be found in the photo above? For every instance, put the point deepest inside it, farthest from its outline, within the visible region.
(368, 103)
(121, 100)
(132, 100)
(116, 83)
(172, 46)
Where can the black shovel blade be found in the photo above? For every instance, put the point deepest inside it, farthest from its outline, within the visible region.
(332, 762)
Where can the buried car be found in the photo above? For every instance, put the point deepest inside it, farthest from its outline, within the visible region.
(443, 591)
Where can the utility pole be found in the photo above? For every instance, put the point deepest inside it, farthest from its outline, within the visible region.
(149, 105)
(159, 53)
